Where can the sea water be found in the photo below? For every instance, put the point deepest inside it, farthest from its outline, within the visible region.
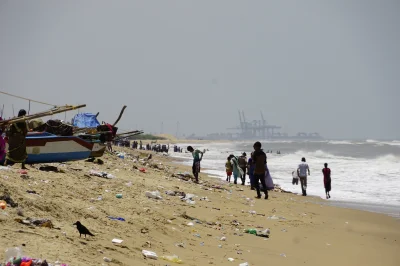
(365, 172)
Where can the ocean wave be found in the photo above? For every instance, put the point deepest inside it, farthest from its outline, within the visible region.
(388, 158)
(340, 142)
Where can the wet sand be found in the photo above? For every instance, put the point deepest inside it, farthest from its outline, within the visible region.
(308, 233)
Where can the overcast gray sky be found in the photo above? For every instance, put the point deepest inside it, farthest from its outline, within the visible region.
(313, 65)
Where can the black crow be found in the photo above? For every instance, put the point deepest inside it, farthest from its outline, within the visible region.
(82, 229)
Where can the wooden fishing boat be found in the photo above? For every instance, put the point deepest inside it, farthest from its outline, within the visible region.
(43, 147)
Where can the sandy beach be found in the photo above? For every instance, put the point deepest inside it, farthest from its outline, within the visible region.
(304, 231)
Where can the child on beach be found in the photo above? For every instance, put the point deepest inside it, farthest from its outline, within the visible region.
(295, 179)
(229, 169)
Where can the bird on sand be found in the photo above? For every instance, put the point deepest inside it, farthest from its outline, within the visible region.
(82, 229)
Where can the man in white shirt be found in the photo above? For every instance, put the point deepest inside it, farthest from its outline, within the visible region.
(302, 173)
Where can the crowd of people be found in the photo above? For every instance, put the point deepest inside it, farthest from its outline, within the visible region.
(257, 169)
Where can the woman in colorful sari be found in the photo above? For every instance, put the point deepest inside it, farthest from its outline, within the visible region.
(17, 141)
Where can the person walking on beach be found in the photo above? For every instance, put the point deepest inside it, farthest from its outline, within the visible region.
(302, 173)
(259, 159)
(229, 169)
(243, 165)
(197, 157)
(327, 180)
(17, 141)
(250, 172)
(237, 171)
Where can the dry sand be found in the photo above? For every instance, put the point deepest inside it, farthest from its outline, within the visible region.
(309, 234)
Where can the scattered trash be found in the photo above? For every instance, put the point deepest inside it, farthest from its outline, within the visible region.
(107, 259)
(31, 191)
(116, 218)
(101, 174)
(284, 230)
(5, 168)
(273, 217)
(173, 258)
(23, 172)
(283, 255)
(118, 196)
(3, 204)
(46, 168)
(117, 241)
(37, 222)
(251, 231)
(180, 245)
(261, 233)
(244, 264)
(223, 238)
(220, 246)
(153, 194)
(7, 198)
(197, 235)
(149, 254)
(170, 193)
(190, 224)
(231, 259)
(142, 170)
(252, 212)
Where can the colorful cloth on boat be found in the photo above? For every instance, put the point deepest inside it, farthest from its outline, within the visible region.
(17, 142)
(56, 127)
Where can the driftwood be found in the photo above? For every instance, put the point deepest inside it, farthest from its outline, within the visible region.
(120, 115)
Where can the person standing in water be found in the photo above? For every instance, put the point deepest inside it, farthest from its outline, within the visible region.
(229, 169)
(327, 180)
(197, 157)
(17, 141)
(302, 173)
(243, 165)
(259, 159)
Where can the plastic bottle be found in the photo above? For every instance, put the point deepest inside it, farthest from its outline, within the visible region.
(173, 258)
(251, 231)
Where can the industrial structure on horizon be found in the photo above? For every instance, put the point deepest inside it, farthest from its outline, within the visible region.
(256, 129)
(260, 129)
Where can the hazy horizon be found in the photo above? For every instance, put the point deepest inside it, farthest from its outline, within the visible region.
(331, 67)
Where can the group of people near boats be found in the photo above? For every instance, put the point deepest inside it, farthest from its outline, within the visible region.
(257, 169)
(15, 136)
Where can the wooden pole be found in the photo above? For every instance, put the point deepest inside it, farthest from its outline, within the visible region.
(56, 110)
(120, 115)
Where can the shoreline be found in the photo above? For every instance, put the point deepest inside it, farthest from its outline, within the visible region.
(390, 210)
(207, 231)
